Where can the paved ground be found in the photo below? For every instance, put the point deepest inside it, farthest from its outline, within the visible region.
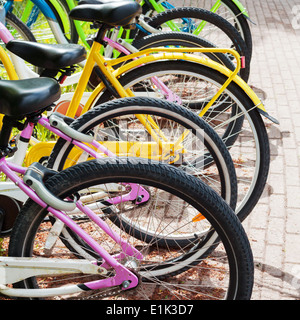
(274, 225)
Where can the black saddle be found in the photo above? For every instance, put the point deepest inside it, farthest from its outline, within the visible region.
(48, 56)
(19, 98)
(112, 13)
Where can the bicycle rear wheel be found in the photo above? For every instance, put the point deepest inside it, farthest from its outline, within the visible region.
(228, 10)
(200, 151)
(20, 32)
(233, 116)
(43, 26)
(165, 273)
(191, 144)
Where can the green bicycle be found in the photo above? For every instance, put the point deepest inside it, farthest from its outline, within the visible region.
(36, 15)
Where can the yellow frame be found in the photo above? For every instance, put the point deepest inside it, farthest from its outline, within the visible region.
(135, 60)
(9, 67)
(148, 56)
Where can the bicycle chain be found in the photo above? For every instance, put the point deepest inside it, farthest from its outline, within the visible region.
(100, 295)
(104, 295)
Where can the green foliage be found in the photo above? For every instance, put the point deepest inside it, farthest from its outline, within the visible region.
(43, 134)
(2, 250)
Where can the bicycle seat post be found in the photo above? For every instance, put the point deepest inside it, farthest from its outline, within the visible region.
(5, 133)
(101, 33)
(8, 123)
(87, 71)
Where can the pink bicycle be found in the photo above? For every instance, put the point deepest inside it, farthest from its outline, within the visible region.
(44, 259)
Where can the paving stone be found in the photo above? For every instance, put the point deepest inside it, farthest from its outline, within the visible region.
(276, 71)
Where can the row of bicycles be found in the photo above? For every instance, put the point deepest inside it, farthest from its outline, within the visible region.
(132, 148)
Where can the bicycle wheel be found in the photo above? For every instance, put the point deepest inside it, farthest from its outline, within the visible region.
(115, 125)
(194, 85)
(216, 30)
(20, 32)
(17, 28)
(66, 24)
(228, 10)
(42, 27)
(164, 273)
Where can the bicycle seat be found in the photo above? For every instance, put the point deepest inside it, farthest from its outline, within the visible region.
(113, 13)
(23, 97)
(48, 56)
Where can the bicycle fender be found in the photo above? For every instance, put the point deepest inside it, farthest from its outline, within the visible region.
(256, 101)
(187, 57)
(38, 151)
(46, 10)
(243, 10)
(241, 7)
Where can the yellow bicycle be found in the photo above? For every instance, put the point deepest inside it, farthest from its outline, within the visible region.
(217, 94)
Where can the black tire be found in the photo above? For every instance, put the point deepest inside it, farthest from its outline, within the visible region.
(240, 110)
(191, 191)
(22, 30)
(215, 157)
(216, 151)
(241, 24)
(234, 40)
(235, 16)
